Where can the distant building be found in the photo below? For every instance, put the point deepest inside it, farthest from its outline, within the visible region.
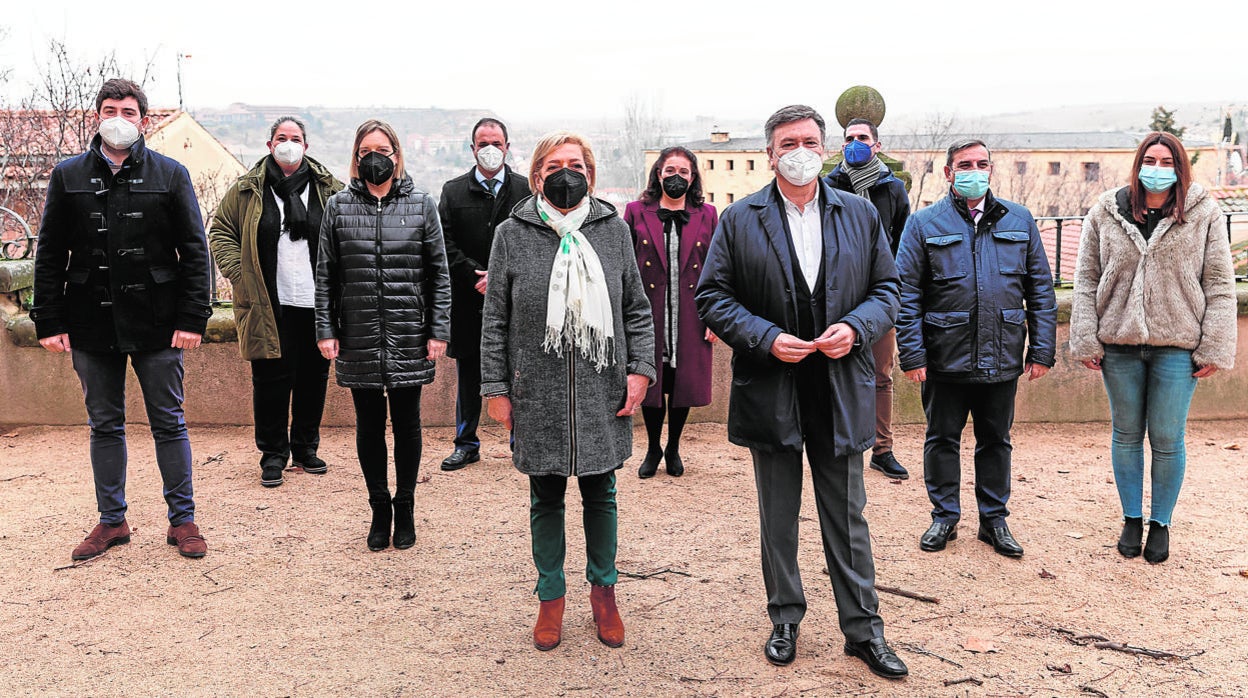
(1054, 174)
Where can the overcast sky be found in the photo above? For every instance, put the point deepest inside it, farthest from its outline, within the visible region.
(727, 60)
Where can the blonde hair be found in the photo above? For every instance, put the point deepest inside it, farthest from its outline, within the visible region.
(551, 142)
(366, 128)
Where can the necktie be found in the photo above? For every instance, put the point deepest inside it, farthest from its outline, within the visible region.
(489, 185)
(975, 214)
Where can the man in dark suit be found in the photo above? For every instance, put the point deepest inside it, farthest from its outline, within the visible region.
(472, 205)
(800, 283)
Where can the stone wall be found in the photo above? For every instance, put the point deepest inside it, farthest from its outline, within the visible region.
(38, 387)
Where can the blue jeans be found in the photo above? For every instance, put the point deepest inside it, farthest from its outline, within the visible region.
(1150, 389)
(103, 378)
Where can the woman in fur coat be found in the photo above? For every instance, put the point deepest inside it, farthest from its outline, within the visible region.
(1153, 311)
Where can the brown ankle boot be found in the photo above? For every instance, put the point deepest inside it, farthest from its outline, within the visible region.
(606, 615)
(549, 629)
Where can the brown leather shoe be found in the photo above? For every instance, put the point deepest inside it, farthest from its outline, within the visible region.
(101, 538)
(549, 629)
(188, 540)
(606, 615)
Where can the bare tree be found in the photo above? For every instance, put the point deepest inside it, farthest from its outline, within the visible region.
(644, 127)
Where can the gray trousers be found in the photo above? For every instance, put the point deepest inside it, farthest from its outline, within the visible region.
(839, 499)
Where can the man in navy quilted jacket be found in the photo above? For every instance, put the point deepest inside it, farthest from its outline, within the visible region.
(977, 312)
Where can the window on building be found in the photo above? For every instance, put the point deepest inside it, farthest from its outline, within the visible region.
(1055, 168)
(1091, 171)
(731, 163)
(1051, 210)
(731, 198)
(749, 165)
(1020, 167)
(930, 166)
(710, 164)
(710, 196)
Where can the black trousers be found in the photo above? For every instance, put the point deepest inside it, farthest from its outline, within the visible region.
(467, 402)
(290, 390)
(839, 499)
(947, 405)
(370, 440)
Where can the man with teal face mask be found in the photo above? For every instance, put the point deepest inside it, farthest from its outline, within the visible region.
(977, 311)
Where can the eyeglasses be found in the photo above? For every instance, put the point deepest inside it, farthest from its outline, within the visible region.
(384, 151)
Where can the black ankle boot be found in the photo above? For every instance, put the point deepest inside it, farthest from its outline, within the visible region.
(379, 531)
(650, 465)
(1157, 549)
(404, 524)
(1132, 532)
(675, 466)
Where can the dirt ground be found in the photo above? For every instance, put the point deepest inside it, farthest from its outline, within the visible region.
(289, 601)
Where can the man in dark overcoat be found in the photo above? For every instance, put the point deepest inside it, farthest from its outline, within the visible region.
(800, 283)
(121, 273)
(472, 205)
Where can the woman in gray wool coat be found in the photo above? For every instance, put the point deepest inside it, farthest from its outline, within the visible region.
(567, 353)
(383, 310)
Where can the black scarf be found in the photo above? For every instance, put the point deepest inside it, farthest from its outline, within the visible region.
(302, 223)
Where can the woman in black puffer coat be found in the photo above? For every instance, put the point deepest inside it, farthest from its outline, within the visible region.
(383, 303)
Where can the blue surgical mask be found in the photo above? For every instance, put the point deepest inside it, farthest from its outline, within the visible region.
(1157, 179)
(857, 153)
(972, 184)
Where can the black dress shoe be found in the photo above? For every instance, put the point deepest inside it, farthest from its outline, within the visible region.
(1000, 539)
(880, 658)
(887, 463)
(1132, 532)
(781, 647)
(312, 465)
(650, 464)
(459, 459)
(938, 536)
(1157, 549)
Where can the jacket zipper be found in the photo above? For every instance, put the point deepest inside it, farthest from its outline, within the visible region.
(571, 412)
(381, 316)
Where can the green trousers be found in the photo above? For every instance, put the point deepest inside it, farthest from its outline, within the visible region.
(546, 515)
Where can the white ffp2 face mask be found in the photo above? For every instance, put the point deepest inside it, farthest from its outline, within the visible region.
(118, 133)
(288, 153)
(490, 158)
(799, 166)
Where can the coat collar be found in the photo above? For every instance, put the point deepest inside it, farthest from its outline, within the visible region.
(138, 151)
(652, 228)
(526, 211)
(253, 179)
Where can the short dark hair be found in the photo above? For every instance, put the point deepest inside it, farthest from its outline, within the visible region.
(120, 88)
(1176, 199)
(654, 187)
(960, 145)
(875, 133)
(303, 130)
(486, 122)
(789, 114)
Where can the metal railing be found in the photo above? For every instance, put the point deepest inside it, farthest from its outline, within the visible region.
(1057, 228)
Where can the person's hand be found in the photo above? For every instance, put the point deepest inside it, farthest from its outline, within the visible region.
(436, 349)
(1205, 371)
(1035, 371)
(710, 337)
(1092, 364)
(328, 347)
(499, 409)
(836, 341)
(481, 282)
(56, 343)
(637, 385)
(185, 340)
(917, 375)
(790, 349)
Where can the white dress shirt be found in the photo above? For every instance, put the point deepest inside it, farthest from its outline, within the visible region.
(296, 285)
(806, 228)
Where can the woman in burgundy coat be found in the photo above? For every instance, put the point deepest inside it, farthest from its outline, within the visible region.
(672, 231)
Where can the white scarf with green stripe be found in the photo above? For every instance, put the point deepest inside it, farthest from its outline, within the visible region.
(578, 306)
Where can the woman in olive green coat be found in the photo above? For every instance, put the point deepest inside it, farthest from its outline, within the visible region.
(263, 238)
